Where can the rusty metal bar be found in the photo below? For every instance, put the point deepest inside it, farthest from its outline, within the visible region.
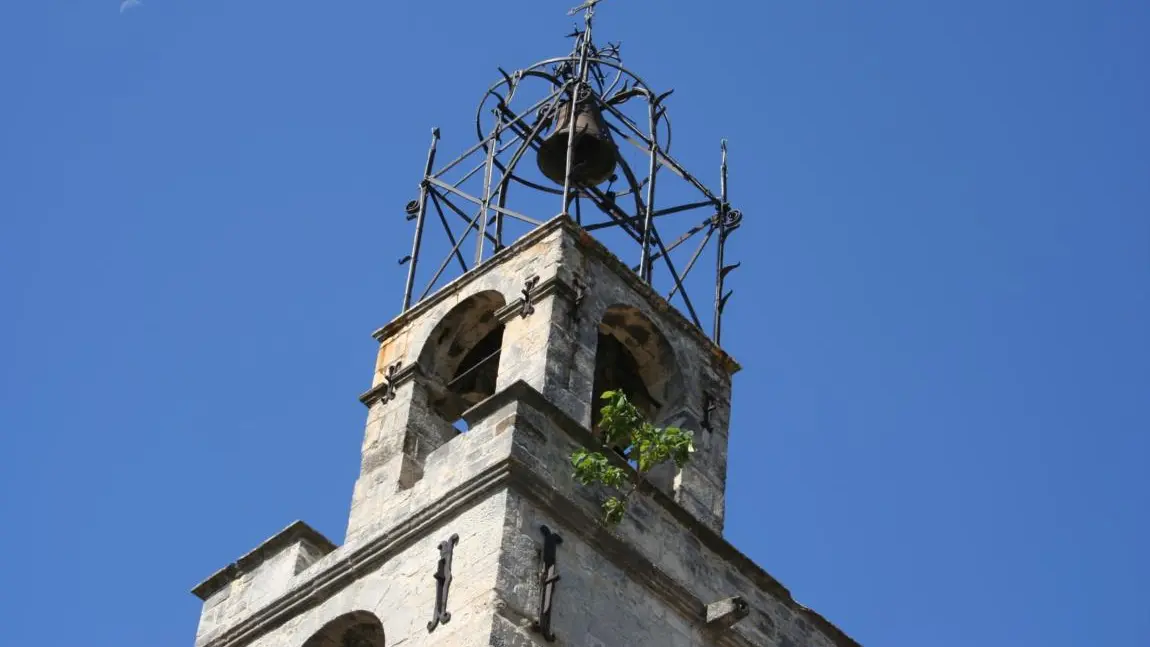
(419, 221)
(470, 198)
(694, 257)
(483, 207)
(645, 258)
(447, 228)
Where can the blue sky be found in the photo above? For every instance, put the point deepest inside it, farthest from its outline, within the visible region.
(940, 435)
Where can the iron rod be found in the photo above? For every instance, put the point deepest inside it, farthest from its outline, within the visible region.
(683, 207)
(447, 228)
(645, 259)
(480, 165)
(486, 193)
(419, 220)
(459, 212)
(484, 140)
(678, 279)
(459, 159)
(447, 260)
(573, 109)
(694, 257)
(724, 208)
(600, 201)
(665, 158)
(685, 237)
(470, 198)
(661, 212)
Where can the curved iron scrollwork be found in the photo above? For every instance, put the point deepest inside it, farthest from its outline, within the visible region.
(482, 195)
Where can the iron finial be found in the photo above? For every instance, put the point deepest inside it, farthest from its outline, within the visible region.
(589, 6)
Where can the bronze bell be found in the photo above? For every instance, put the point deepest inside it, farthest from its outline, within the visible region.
(595, 152)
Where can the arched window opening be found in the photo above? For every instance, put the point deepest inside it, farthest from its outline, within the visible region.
(355, 629)
(617, 370)
(461, 357)
(633, 357)
(474, 380)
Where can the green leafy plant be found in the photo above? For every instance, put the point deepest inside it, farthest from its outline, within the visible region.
(643, 445)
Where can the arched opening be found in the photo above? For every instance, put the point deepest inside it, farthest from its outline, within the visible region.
(355, 629)
(633, 357)
(461, 356)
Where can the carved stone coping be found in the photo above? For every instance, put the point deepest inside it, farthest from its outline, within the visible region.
(593, 246)
(296, 532)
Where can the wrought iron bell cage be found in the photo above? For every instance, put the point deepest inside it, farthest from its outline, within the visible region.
(600, 161)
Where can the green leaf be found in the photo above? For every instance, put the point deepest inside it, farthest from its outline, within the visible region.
(623, 425)
(613, 510)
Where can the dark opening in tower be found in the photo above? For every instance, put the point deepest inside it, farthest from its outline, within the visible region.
(461, 358)
(635, 358)
(355, 629)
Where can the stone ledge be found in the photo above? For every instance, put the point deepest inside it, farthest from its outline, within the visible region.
(296, 532)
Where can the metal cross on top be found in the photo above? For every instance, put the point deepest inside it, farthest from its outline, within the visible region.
(589, 6)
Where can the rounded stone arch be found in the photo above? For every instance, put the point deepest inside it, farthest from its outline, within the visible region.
(354, 629)
(634, 355)
(460, 356)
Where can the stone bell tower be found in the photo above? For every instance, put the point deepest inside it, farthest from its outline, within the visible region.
(466, 525)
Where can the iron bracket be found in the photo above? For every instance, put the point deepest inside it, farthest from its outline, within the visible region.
(580, 290)
(709, 406)
(442, 583)
(389, 381)
(528, 307)
(548, 576)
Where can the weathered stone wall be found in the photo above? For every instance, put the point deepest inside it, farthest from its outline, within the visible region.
(597, 603)
(703, 372)
(678, 559)
(550, 341)
(401, 590)
(403, 430)
(646, 582)
(258, 585)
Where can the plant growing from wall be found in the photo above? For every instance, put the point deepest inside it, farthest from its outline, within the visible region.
(644, 446)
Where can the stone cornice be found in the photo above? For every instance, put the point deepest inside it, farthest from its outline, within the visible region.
(297, 531)
(593, 246)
